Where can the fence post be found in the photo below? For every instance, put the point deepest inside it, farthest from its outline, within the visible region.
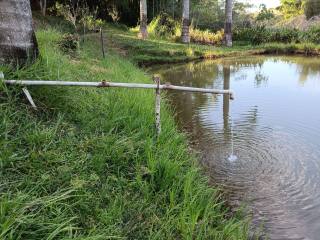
(156, 79)
(102, 43)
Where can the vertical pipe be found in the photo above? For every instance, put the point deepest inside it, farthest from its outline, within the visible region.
(156, 79)
(28, 96)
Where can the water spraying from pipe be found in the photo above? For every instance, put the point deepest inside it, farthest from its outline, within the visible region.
(232, 157)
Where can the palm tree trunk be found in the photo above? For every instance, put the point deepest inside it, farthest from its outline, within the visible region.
(18, 43)
(226, 98)
(143, 20)
(228, 24)
(186, 22)
(43, 7)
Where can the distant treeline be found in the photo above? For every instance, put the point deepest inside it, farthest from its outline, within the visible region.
(206, 14)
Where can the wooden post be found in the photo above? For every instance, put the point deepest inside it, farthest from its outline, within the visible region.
(102, 43)
(84, 33)
(156, 79)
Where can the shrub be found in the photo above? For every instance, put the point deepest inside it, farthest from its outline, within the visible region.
(91, 23)
(206, 37)
(69, 12)
(255, 35)
(312, 35)
(69, 42)
(164, 26)
(261, 34)
(284, 35)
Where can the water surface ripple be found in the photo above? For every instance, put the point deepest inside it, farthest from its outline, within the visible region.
(276, 133)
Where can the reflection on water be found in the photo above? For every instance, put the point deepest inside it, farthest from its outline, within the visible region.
(276, 136)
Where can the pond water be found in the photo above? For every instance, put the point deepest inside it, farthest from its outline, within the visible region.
(276, 135)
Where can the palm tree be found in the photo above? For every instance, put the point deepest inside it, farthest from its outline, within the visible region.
(43, 7)
(226, 98)
(143, 20)
(186, 22)
(228, 24)
(18, 43)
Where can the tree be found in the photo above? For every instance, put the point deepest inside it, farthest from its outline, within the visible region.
(143, 20)
(312, 8)
(71, 12)
(43, 6)
(207, 14)
(186, 22)
(18, 43)
(291, 8)
(228, 23)
(226, 97)
(264, 13)
(241, 17)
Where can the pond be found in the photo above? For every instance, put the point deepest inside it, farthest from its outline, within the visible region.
(276, 133)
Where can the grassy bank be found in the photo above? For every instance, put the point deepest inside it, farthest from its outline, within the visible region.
(87, 166)
(155, 50)
(308, 49)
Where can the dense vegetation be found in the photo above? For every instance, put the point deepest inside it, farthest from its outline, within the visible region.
(261, 34)
(205, 13)
(207, 19)
(87, 165)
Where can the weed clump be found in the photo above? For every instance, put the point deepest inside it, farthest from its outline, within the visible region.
(69, 42)
(164, 26)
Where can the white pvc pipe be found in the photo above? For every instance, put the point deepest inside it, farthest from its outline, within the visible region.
(113, 84)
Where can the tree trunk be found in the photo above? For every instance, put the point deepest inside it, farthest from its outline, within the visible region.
(18, 44)
(226, 98)
(186, 22)
(143, 20)
(43, 7)
(228, 24)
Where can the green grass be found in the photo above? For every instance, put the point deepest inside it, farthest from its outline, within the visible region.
(86, 165)
(156, 51)
(291, 48)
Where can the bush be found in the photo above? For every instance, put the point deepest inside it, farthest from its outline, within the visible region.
(311, 35)
(255, 35)
(284, 35)
(91, 23)
(164, 26)
(206, 37)
(261, 34)
(69, 42)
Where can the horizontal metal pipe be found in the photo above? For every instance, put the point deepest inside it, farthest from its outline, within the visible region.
(113, 84)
